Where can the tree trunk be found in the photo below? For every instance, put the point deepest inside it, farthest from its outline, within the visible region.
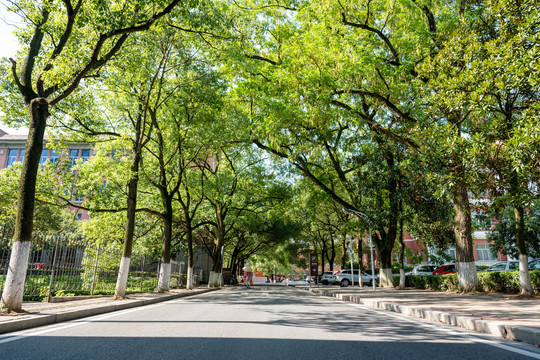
(216, 277)
(189, 236)
(385, 272)
(401, 257)
(332, 257)
(121, 282)
(360, 253)
(165, 271)
(344, 257)
(12, 295)
(466, 268)
(524, 279)
(189, 281)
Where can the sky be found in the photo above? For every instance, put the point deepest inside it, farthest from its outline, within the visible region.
(8, 47)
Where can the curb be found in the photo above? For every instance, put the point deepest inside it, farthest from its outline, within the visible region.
(41, 320)
(519, 333)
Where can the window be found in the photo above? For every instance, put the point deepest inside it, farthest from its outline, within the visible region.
(77, 197)
(497, 267)
(452, 253)
(44, 155)
(481, 221)
(12, 157)
(484, 253)
(513, 266)
(21, 155)
(73, 155)
(85, 154)
(54, 157)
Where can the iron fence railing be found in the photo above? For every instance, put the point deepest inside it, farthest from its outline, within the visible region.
(60, 265)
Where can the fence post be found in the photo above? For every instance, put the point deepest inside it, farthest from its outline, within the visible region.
(53, 267)
(95, 271)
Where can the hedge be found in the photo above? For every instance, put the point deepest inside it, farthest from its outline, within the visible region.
(504, 281)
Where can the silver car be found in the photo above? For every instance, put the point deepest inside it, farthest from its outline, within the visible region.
(423, 270)
(344, 278)
(329, 277)
(504, 266)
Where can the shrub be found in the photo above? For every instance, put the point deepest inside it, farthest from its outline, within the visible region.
(504, 281)
(446, 282)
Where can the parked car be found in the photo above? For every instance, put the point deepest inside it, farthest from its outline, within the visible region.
(504, 266)
(534, 264)
(343, 278)
(426, 269)
(445, 269)
(313, 279)
(329, 277)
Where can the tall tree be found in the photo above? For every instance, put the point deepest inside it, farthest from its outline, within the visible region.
(486, 69)
(67, 42)
(362, 59)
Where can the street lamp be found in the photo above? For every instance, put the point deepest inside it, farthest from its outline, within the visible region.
(359, 214)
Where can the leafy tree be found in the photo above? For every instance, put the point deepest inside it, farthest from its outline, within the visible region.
(485, 70)
(67, 42)
(503, 236)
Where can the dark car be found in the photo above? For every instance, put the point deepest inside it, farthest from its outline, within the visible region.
(445, 269)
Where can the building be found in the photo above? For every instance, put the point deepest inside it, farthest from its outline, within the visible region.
(12, 150)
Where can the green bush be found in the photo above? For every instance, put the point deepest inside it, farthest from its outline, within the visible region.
(447, 282)
(504, 281)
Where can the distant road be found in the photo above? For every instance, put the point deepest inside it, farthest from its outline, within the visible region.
(265, 322)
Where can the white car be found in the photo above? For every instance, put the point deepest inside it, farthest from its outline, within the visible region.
(504, 266)
(344, 278)
(423, 270)
(329, 277)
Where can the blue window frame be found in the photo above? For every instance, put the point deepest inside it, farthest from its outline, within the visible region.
(53, 157)
(85, 154)
(44, 156)
(73, 155)
(12, 157)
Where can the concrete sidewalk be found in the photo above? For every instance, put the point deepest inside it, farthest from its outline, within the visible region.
(69, 308)
(507, 316)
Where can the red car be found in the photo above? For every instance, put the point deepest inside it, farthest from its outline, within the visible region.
(445, 269)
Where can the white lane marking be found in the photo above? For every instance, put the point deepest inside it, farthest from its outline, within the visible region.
(56, 327)
(477, 338)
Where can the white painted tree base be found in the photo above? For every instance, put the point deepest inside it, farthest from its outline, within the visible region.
(164, 277)
(215, 279)
(524, 278)
(467, 276)
(12, 296)
(121, 282)
(189, 281)
(386, 278)
(401, 279)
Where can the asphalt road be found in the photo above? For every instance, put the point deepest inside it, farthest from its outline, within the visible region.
(260, 323)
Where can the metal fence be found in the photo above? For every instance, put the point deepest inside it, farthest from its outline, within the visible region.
(61, 265)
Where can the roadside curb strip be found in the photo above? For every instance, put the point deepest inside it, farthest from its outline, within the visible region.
(41, 320)
(518, 333)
